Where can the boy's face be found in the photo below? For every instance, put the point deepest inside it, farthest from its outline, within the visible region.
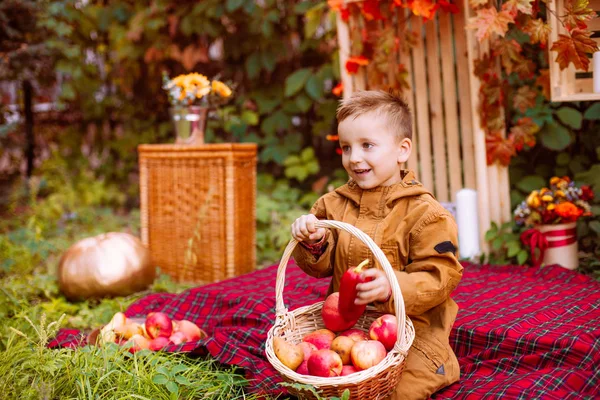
(371, 152)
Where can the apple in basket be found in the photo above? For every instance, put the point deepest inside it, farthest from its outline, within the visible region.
(348, 369)
(331, 314)
(158, 324)
(325, 363)
(355, 334)
(385, 329)
(343, 346)
(321, 338)
(290, 355)
(367, 354)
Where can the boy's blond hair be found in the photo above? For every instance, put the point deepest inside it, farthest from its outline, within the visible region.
(386, 103)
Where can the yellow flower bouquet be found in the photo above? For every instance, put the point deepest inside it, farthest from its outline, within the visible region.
(195, 89)
(191, 96)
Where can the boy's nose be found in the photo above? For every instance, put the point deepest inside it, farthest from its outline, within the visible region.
(355, 156)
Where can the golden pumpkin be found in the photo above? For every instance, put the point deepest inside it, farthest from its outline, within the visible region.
(111, 264)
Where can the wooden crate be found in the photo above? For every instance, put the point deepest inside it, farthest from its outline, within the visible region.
(198, 209)
(449, 150)
(571, 84)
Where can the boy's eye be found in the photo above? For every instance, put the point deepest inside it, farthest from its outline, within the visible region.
(367, 145)
(345, 149)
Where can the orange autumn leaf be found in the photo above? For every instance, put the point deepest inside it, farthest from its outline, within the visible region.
(523, 133)
(514, 6)
(577, 14)
(543, 81)
(335, 5)
(538, 30)
(489, 21)
(333, 138)
(524, 98)
(338, 89)
(370, 10)
(448, 6)
(499, 149)
(423, 8)
(525, 68)
(509, 52)
(574, 48)
(354, 63)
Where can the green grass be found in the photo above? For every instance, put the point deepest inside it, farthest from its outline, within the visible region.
(32, 309)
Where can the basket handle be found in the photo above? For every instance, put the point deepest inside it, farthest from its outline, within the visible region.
(401, 343)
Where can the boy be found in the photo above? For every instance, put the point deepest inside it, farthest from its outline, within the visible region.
(415, 232)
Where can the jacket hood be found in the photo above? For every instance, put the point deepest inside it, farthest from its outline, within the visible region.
(408, 186)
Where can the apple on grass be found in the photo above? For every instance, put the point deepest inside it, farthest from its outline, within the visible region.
(138, 342)
(385, 329)
(178, 338)
(367, 354)
(191, 331)
(325, 363)
(158, 324)
(159, 343)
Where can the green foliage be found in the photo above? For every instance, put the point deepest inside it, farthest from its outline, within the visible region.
(314, 392)
(506, 245)
(28, 369)
(277, 207)
(572, 149)
(300, 167)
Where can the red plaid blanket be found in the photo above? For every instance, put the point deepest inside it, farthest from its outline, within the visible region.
(520, 333)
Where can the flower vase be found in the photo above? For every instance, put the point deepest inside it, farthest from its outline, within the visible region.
(190, 123)
(562, 245)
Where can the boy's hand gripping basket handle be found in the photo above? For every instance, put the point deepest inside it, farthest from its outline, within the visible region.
(403, 342)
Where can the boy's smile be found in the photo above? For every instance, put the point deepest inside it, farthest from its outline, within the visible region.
(371, 152)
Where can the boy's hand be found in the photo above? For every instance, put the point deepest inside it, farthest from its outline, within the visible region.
(304, 230)
(378, 289)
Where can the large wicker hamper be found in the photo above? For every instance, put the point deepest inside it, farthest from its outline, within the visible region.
(377, 382)
(198, 209)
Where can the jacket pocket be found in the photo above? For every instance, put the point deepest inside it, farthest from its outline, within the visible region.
(391, 253)
(433, 353)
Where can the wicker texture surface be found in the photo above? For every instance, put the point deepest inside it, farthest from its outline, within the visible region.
(377, 382)
(198, 209)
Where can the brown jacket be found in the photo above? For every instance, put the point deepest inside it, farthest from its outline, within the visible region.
(416, 234)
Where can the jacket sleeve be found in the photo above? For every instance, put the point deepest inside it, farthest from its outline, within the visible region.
(318, 266)
(434, 272)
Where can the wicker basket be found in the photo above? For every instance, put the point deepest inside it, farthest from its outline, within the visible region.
(198, 209)
(377, 382)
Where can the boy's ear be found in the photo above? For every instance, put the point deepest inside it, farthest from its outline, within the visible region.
(405, 148)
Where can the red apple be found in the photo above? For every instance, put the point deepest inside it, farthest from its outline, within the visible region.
(385, 329)
(138, 342)
(321, 338)
(325, 363)
(348, 369)
(191, 330)
(367, 354)
(331, 314)
(355, 334)
(158, 324)
(307, 349)
(159, 343)
(303, 368)
(178, 338)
